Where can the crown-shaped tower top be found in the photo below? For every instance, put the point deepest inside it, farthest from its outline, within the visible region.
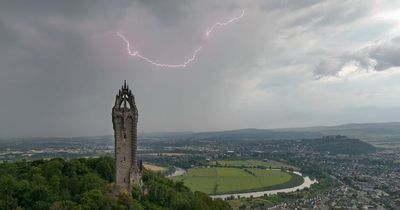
(124, 98)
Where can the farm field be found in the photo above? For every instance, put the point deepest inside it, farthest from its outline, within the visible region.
(251, 163)
(154, 168)
(220, 180)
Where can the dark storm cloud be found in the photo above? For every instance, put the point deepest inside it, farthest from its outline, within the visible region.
(45, 61)
(330, 13)
(286, 5)
(386, 54)
(315, 13)
(328, 66)
(73, 9)
(167, 12)
(53, 72)
(61, 63)
(379, 56)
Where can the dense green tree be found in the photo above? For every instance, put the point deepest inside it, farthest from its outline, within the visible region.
(8, 189)
(64, 205)
(92, 200)
(52, 168)
(104, 166)
(82, 184)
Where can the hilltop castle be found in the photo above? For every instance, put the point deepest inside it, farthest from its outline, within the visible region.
(125, 119)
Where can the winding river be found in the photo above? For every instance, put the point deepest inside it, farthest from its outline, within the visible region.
(177, 172)
(307, 183)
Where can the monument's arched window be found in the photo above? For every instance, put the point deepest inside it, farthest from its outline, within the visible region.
(127, 105)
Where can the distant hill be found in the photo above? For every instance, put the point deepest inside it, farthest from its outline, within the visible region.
(379, 134)
(338, 145)
(383, 134)
(255, 134)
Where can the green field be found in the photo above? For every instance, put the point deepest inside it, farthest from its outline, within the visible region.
(221, 180)
(251, 163)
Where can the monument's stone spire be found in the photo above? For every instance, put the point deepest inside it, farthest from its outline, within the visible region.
(125, 118)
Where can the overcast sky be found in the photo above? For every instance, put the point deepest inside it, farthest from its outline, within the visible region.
(284, 64)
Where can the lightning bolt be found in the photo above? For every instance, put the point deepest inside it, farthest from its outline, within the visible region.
(134, 53)
(137, 54)
(209, 31)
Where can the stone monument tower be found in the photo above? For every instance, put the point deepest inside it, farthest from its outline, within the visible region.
(125, 118)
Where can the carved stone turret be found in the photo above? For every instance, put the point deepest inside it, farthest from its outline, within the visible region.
(125, 119)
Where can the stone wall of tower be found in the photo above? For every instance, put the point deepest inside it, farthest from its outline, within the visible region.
(125, 118)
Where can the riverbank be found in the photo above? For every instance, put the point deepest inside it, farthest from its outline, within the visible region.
(177, 172)
(306, 184)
